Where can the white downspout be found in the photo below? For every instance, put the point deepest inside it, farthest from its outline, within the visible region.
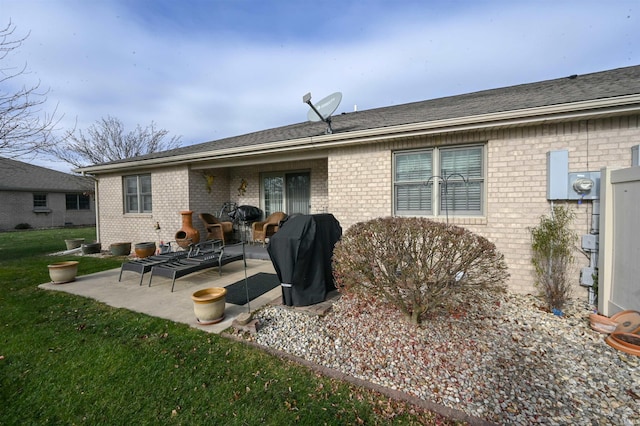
(95, 202)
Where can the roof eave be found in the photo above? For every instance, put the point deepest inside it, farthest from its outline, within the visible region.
(529, 116)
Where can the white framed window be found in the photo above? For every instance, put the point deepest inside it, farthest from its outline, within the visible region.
(137, 193)
(439, 181)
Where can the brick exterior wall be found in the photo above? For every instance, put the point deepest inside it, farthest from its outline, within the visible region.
(360, 181)
(203, 201)
(356, 184)
(169, 198)
(360, 185)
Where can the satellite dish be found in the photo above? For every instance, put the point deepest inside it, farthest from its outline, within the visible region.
(325, 107)
(322, 110)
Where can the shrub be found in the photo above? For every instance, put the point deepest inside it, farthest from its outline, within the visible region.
(23, 226)
(416, 264)
(552, 245)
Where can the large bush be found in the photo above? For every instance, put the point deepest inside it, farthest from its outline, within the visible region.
(416, 264)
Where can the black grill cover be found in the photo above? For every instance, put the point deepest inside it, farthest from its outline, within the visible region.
(301, 253)
(246, 213)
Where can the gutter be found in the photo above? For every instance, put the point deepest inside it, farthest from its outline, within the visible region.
(95, 203)
(520, 117)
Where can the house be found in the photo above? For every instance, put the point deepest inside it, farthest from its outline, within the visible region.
(43, 198)
(491, 150)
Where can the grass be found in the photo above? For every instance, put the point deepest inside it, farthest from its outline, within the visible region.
(65, 359)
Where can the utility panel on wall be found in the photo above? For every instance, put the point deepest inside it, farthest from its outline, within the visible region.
(557, 174)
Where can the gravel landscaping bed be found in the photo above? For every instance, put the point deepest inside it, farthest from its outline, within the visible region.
(509, 362)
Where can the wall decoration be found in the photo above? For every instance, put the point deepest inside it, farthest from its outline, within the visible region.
(209, 178)
(243, 187)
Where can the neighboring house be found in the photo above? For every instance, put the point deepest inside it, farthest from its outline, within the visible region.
(43, 198)
(396, 161)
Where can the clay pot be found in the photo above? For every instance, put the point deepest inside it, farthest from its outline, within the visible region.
(602, 324)
(91, 248)
(628, 321)
(187, 234)
(120, 249)
(74, 243)
(625, 342)
(208, 304)
(145, 249)
(63, 272)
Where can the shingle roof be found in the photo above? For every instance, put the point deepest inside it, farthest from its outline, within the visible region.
(19, 176)
(587, 87)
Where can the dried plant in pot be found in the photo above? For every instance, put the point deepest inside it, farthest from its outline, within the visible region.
(63, 272)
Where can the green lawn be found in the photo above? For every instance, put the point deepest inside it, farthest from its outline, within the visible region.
(65, 359)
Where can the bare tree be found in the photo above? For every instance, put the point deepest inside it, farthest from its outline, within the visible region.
(107, 141)
(22, 130)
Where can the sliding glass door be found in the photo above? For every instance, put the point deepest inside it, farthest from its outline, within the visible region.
(286, 192)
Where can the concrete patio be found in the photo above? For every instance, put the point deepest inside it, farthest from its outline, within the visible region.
(159, 301)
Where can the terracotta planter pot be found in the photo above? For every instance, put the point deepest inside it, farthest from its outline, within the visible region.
(625, 342)
(187, 234)
(63, 272)
(602, 324)
(628, 321)
(208, 304)
(74, 243)
(120, 249)
(145, 249)
(91, 248)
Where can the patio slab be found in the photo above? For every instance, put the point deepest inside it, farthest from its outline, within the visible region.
(159, 301)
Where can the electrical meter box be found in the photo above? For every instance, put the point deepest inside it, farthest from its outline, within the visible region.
(584, 186)
(586, 276)
(590, 242)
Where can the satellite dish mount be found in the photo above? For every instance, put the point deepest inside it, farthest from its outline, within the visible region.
(322, 110)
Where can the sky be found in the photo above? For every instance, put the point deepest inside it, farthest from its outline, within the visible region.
(206, 70)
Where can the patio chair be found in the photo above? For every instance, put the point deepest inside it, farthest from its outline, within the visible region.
(142, 266)
(216, 230)
(268, 227)
(182, 267)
